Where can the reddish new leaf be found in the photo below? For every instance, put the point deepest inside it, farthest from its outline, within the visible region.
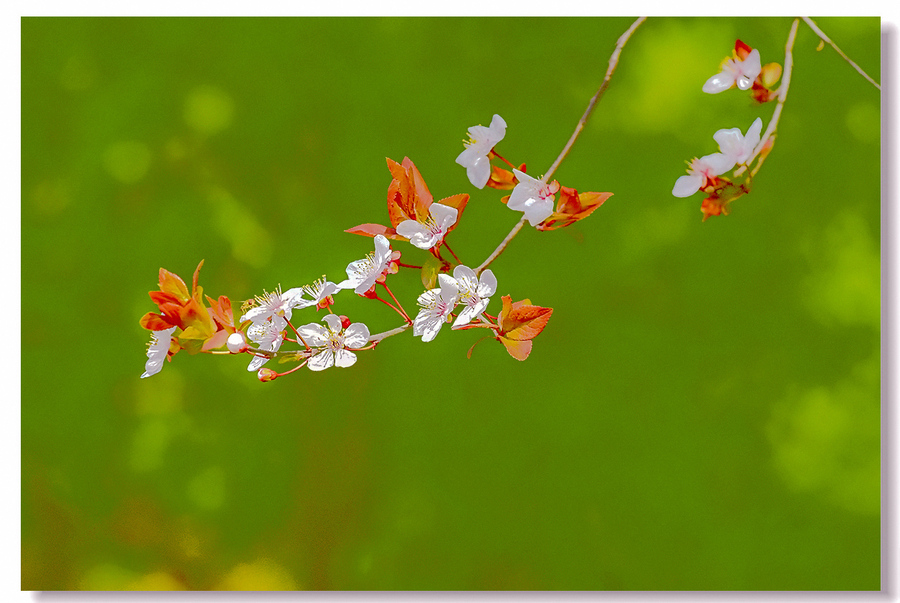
(517, 349)
(372, 230)
(521, 321)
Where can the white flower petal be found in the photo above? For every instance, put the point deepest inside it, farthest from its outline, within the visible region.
(449, 289)
(444, 215)
(356, 335)
(488, 285)
(408, 228)
(321, 361)
(469, 313)
(687, 185)
(430, 329)
(334, 322)
(479, 171)
(464, 273)
(344, 358)
(315, 335)
(257, 362)
(719, 83)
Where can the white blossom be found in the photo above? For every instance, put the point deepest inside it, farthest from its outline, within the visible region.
(474, 294)
(735, 71)
(436, 306)
(157, 351)
(475, 157)
(333, 342)
(362, 274)
(533, 197)
(426, 235)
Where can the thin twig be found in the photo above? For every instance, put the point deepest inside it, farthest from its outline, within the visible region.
(386, 334)
(613, 63)
(782, 96)
(825, 38)
(512, 233)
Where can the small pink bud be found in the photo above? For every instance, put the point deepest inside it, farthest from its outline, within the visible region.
(345, 322)
(266, 374)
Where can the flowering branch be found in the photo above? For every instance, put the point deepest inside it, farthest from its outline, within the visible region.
(454, 293)
(769, 137)
(613, 63)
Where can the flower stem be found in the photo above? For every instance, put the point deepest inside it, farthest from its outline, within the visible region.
(398, 308)
(451, 252)
(769, 137)
(821, 34)
(296, 368)
(402, 265)
(502, 158)
(613, 63)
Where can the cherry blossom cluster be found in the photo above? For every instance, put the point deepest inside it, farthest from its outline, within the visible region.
(454, 293)
(743, 71)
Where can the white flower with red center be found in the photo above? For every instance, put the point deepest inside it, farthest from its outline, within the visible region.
(740, 72)
(700, 173)
(429, 233)
(736, 147)
(333, 343)
(533, 197)
(362, 274)
(157, 351)
(474, 294)
(436, 306)
(475, 157)
(268, 336)
(276, 303)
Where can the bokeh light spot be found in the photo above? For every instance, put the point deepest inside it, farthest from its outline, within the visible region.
(208, 110)
(845, 283)
(250, 242)
(149, 445)
(826, 440)
(127, 161)
(207, 490)
(864, 122)
(263, 574)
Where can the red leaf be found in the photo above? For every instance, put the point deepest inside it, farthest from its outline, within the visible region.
(517, 349)
(169, 282)
(371, 230)
(521, 321)
(154, 322)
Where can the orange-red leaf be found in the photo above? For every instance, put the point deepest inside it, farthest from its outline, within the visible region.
(502, 179)
(408, 196)
(169, 282)
(372, 230)
(517, 349)
(573, 207)
(154, 322)
(222, 312)
(521, 321)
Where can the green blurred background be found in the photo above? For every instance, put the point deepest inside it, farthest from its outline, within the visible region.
(702, 411)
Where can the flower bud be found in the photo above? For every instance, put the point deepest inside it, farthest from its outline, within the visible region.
(236, 343)
(345, 322)
(266, 374)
